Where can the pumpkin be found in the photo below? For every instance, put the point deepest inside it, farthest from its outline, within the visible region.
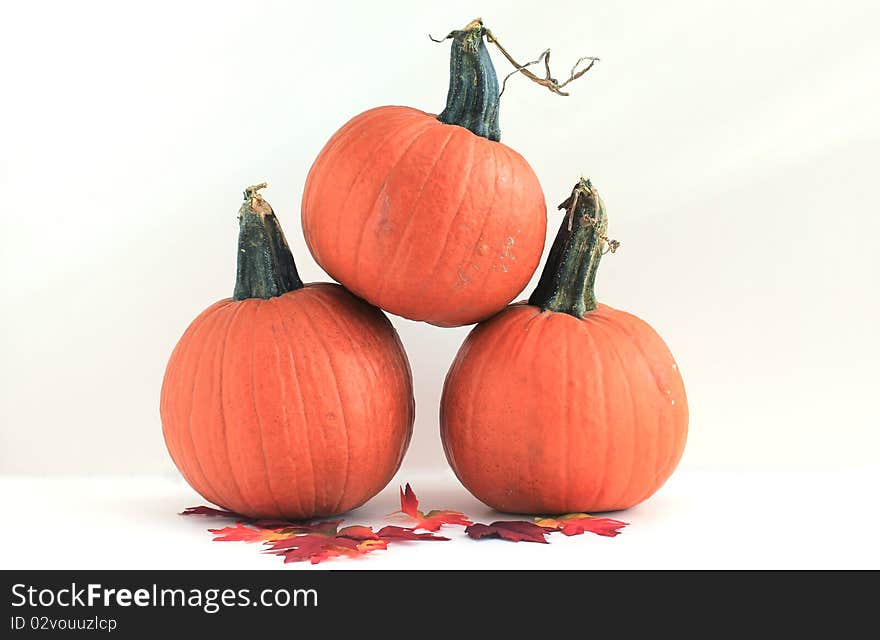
(429, 217)
(563, 404)
(287, 400)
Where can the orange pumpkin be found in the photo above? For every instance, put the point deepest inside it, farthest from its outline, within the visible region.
(563, 404)
(429, 217)
(288, 400)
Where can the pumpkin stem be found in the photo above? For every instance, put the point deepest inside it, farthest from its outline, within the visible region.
(473, 98)
(567, 282)
(265, 264)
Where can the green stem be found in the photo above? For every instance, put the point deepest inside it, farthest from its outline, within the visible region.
(566, 284)
(265, 265)
(473, 98)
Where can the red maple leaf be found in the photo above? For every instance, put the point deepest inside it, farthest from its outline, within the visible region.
(263, 523)
(431, 521)
(348, 542)
(573, 524)
(311, 547)
(391, 533)
(513, 530)
(210, 511)
(316, 548)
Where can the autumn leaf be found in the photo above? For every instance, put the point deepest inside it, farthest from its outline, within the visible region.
(306, 541)
(315, 542)
(317, 548)
(391, 533)
(365, 546)
(321, 541)
(314, 548)
(327, 553)
(242, 533)
(513, 530)
(337, 548)
(263, 523)
(325, 528)
(278, 530)
(431, 521)
(573, 524)
(358, 532)
(210, 511)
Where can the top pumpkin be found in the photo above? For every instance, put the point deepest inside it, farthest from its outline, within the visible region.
(429, 217)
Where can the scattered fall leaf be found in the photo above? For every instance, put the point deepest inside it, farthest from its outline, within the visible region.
(431, 521)
(242, 533)
(390, 533)
(314, 547)
(513, 530)
(349, 542)
(365, 546)
(325, 528)
(316, 542)
(263, 523)
(573, 524)
(358, 532)
(210, 511)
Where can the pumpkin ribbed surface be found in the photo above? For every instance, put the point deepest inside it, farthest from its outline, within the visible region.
(280, 407)
(424, 219)
(544, 412)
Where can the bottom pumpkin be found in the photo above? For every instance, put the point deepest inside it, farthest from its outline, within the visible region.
(291, 401)
(563, 404)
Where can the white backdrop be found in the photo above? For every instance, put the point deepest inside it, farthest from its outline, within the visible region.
(735, 144)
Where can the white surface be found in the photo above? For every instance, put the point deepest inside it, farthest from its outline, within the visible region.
(699, 520)
(735, 145)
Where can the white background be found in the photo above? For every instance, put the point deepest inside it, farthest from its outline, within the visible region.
(735, 144)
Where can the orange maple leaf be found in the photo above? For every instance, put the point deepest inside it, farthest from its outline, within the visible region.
(365, 546)
(431, 521)
(573, 524)
(335, 548)
(242, 533)
(358, 532)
